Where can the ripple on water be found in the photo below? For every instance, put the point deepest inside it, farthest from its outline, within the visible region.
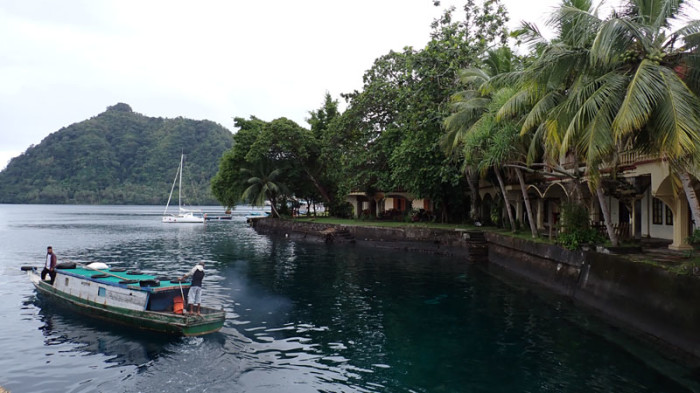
(301, 317)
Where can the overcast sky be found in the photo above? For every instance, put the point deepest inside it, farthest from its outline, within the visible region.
(62, 62)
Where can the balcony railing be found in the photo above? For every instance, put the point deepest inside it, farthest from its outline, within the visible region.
(633, 157)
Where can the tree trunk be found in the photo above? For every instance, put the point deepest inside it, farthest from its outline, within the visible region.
(528, 207)
(606, 215)
(505, 200)
(319, 187)
(474, 212)
(691, 196)
(275, 213)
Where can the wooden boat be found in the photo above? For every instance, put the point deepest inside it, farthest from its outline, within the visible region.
(127, 297)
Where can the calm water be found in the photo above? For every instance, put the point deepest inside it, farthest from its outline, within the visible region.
(302, 317)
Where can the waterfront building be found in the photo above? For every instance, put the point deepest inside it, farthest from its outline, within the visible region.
(651, 205)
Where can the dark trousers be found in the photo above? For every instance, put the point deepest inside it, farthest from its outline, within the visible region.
(52, 274)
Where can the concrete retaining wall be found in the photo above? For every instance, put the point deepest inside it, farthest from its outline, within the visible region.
(425, 240)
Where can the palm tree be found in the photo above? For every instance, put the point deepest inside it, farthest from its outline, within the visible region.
(659, 72)
(458, 141)
(487, 144)
(472, 129)
(630, 94)
(556, 102)
(263, 186)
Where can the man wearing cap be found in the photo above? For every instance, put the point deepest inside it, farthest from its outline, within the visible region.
(49, 265)
(195, 294)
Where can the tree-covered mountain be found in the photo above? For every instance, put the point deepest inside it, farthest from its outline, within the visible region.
(118, 157)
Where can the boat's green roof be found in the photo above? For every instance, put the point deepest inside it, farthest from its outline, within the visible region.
(111, 279)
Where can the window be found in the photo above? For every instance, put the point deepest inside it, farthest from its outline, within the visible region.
(102, 291)
(669, 216)
(657, 211)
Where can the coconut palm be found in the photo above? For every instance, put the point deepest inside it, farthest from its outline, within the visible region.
(458, 141)
(487, 143)
(263, 187)
(471, 129)
(659, 70)
(636, 90)
(553, 98)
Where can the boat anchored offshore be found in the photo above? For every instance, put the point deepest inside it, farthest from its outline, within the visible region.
(183, 215)
(130, 298)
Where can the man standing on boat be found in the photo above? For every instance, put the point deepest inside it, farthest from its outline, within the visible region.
(49, 265)
(195, 294)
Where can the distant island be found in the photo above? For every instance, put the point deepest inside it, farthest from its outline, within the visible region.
(118, 157)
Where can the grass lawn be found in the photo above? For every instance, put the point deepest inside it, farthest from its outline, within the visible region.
(524, 234)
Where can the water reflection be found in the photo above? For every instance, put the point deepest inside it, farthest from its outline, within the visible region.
(122, 346)
(303, 317)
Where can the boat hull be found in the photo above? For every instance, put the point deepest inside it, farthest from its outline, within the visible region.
(183, 219)
(168, 322)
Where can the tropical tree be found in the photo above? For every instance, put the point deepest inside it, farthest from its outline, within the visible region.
(229, 183)
(475, 110)
(624, 83)
(564, 120)
(659, 72)
(283, 140)
(467, 107)
(395, 122)
(263, 186)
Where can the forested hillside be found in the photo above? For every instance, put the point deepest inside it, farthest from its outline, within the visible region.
(118, 157)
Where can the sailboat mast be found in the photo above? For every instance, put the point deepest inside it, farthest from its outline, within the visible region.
(172, 189)
(179, 188)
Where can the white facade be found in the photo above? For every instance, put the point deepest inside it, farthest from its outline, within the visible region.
(99, 293)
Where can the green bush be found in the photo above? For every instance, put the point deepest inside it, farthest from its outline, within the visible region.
(341, 210)
(575, 230)
(694, 239)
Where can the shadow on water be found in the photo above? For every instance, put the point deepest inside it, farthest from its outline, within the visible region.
(121, 345)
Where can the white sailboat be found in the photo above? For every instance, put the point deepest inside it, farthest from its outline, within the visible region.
(183, 215)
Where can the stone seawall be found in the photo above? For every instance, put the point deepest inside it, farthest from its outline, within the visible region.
(469, 244)
(642, 298)
(646, 300)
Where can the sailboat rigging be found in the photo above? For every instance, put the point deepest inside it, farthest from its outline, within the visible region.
(183, 215)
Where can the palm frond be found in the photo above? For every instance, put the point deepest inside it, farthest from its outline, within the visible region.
(616, 36)
(595, 105)
(676, 119)
(577, 26)
(473, 76)
(530, 34)
(689, 33)
(643, 93)
(505, 79)
(515, 106)
(540, 110)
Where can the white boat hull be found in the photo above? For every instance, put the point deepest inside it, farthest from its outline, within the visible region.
(185, 215)
(183, 218)
(94, 292)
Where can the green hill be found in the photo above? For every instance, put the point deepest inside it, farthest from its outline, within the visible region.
(118, 157)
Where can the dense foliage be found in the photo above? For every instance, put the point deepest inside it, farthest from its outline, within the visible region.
(117, 157)
(388, 137)
(575, 230)
(280, 161)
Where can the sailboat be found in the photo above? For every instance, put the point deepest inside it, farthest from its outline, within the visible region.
(183, 215)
